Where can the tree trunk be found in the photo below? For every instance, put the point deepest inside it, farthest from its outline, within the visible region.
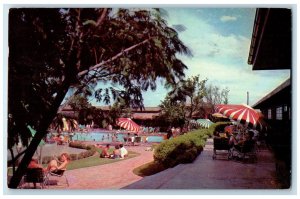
(41, 132)
(13, 160)
(192, 107)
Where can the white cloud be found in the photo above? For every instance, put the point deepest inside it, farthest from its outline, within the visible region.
(221, 58)
(238, 78)
(228, 18)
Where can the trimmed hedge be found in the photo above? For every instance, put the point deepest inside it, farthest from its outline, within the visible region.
(219, 126)
(181, 149)
(90, 151)
(184, 148)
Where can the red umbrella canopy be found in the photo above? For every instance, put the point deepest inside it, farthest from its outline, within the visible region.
(128, 124)
(241, 113)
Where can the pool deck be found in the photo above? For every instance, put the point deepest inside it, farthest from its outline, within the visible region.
(108, 176)
(203, 174)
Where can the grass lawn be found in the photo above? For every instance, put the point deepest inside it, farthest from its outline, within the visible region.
(95, 161)
(90, 161)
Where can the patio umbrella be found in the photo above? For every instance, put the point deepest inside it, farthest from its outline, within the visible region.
(128, 124)
(206, 123)
(243, 114)
(194, 123)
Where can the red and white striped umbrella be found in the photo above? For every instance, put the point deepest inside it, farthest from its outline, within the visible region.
(128, 124)
(242, 114)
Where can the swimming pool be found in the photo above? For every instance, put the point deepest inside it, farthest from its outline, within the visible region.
(108, 137)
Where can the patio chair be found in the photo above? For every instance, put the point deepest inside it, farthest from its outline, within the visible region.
(221, 145)
(35, 175)
(56, 173)
(246, 152)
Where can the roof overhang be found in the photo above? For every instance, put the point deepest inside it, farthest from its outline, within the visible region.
(278, 96)
(271, 44)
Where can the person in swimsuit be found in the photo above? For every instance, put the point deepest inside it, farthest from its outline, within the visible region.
(116, 153)
(104, 152)
(56, 165)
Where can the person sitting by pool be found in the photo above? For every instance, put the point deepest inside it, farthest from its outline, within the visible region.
(123, 151)
(116, 153)
(56, 165)
(104, 152)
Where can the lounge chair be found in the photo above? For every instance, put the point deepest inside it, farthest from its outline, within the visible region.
(56, 173)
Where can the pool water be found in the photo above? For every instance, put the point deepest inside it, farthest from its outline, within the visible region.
(108, 137)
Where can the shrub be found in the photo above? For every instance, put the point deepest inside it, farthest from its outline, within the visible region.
(79, 145)
(91, 149)
(219, 126)
(73, 157)
(182, 149)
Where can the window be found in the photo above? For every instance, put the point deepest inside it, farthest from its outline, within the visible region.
(279, 113)
(285, 108)
(269, 114)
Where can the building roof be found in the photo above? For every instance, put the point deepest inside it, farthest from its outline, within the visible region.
(271, 44)
(281, 93)
(148, 109)
(144, 116)
(104, 108)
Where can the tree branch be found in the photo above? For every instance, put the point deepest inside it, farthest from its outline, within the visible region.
(101, 19)
(112, 59)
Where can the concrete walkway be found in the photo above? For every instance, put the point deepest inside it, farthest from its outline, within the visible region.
(206, 173)
(203, 173)
(108, 176)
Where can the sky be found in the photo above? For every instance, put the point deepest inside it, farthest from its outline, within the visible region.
(219, 39)
(215, 38)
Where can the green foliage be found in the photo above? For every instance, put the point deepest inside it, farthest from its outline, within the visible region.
(173, 113)
(91, 149)
(53, 49)
(191, 92)
(181, 149)
(56, 50)
(218, 127)
(148, 169)
(95, 161)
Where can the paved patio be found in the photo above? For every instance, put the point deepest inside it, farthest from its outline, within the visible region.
(203, 173)
(108, 176)
(206, 173)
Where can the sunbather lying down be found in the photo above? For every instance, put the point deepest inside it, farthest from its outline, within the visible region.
(61, 164)
(54, 165)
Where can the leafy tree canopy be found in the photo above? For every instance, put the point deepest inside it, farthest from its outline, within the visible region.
(80, 48)
(54, 49)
